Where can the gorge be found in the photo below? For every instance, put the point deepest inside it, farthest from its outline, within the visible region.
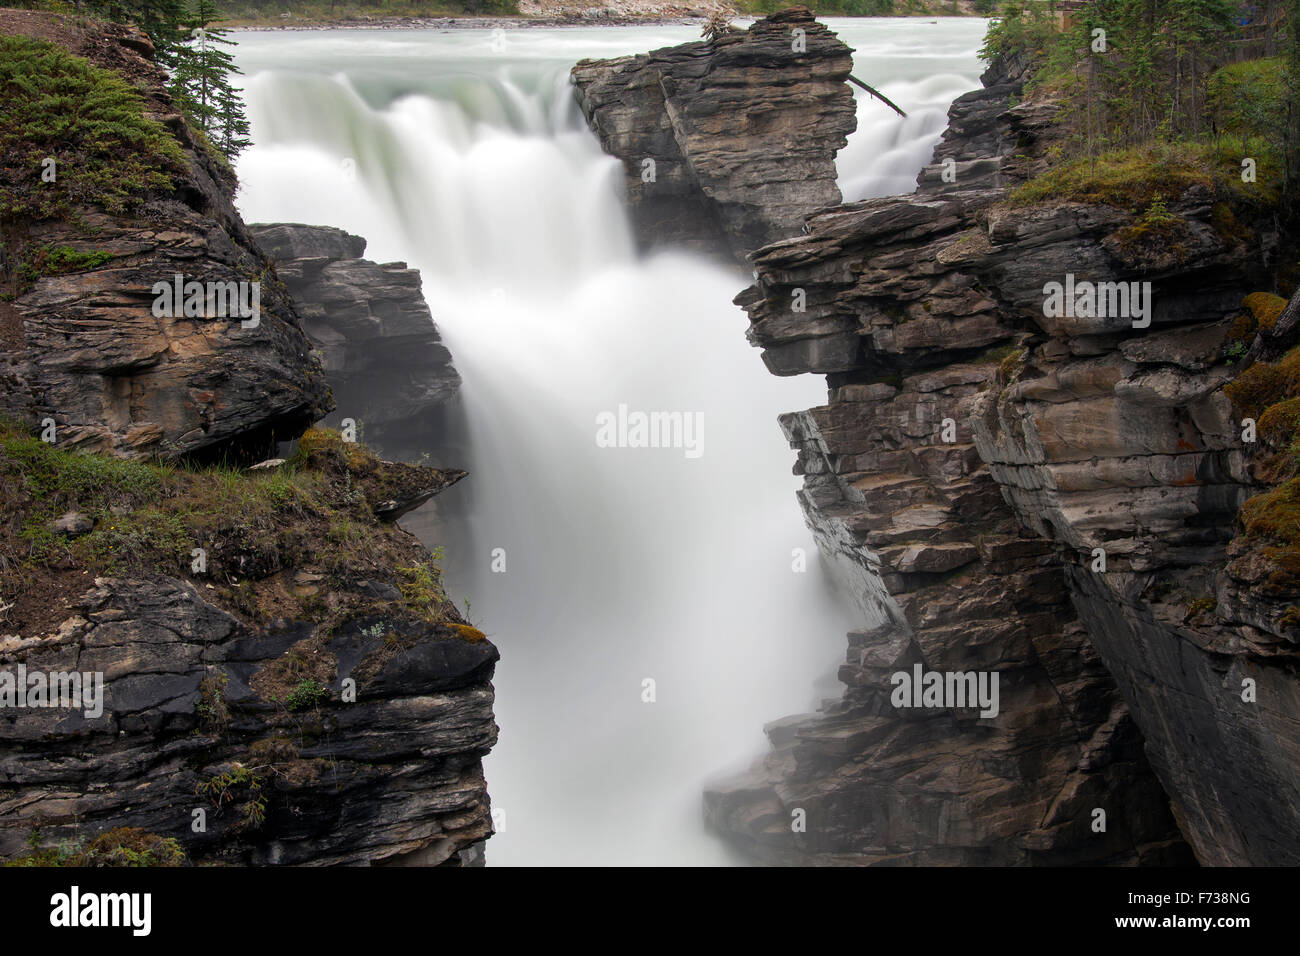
(510, 263)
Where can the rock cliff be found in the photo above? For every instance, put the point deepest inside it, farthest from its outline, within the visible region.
(383, 358)
(977, 457)
(280, 677)
(726, 144)
(85, 345)
(1096, 435)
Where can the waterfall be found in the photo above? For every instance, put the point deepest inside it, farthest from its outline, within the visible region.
(464, 155)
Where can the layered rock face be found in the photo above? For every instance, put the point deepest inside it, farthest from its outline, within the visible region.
(394, 778)
(383, 357)
(281, 678)
(1010, 489)
(1091, 463)
(90, 351)
(728, 143)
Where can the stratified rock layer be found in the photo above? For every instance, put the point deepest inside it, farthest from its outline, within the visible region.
(384, 360)
(730, 142)
(395, 777)
(86, 349)
(284, 679)
(975, 460)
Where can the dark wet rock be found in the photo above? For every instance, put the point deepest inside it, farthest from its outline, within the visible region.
(382, 354)
(742, 131)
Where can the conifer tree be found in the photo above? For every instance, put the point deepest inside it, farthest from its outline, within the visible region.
(201, 75)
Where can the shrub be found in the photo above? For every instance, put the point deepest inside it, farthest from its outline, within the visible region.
(90, 120)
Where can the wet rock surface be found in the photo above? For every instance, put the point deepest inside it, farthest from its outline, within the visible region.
(381, 352)
(726, 144)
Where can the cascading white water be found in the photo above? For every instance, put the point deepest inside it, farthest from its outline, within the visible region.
(462, 153)
(922, 65)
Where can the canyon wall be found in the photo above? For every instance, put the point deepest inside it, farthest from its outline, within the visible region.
(86, 348)
(974, 461)
(284, 680)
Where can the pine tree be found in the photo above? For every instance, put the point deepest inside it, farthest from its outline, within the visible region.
(201, 74)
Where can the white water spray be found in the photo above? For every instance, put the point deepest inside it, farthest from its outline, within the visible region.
(622, 565)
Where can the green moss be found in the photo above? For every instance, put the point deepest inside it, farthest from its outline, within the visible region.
(1271, 521)
(1265, 307)
(1242, 330)
(1010, 364)
(58, 260)
(122, 846)
(90, 121)
(1275, 514)
(1138, 178)
(467, 633)
(1129, 178)
(1263, 384)
(1279, 423)
(315, 513)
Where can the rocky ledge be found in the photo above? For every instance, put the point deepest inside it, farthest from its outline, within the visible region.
(85, 345)
(727, 144)
(1050, 498)
(382, 355)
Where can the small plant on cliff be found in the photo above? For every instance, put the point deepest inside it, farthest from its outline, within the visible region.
(239, 785)
(421, 587)
(214, 715)
(306, 695)
(717, 26)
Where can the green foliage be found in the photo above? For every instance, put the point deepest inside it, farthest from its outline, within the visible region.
(239, 785)
(90, 121)
(1149, 176)
(122, 846)
(1166, 74)
(1023, 28)
(1129, 178)
(214, 715)
(58, 260)
(1249, 99)
(159, 19)
(306, 695)
(421, 587)
(201, 72)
